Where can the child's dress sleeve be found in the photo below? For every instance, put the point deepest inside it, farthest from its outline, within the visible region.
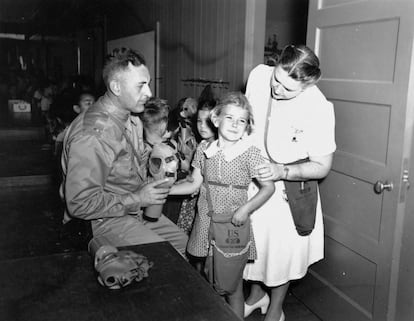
(255, 159)
(198, 159)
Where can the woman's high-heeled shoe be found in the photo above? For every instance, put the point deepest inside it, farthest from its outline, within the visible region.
(263, 304)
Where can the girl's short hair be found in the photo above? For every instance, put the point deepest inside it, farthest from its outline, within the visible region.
(235, 98)
(301, 64)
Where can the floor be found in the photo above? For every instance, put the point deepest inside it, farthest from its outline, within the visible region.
(31, 209)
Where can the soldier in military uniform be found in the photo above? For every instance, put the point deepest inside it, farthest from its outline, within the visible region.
(104, 174)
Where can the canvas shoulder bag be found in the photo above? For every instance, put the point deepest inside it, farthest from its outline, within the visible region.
(230, 246)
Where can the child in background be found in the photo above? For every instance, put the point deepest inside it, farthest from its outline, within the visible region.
(205, 131)
(155, 120)
(66, 114)
(160, 153)
(222, 170)
(86, 100)
(180, 128)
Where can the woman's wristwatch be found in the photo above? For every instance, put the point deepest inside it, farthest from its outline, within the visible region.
(286, 170)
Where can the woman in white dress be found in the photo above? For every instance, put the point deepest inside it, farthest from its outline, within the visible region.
(293, 121)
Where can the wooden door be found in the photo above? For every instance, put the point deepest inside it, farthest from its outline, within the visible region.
(366, 53)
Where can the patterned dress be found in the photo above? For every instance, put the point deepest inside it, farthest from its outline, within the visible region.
(187, 214)
(233, 166)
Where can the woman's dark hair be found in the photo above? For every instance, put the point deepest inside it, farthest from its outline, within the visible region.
(119, 60)
(301, 64)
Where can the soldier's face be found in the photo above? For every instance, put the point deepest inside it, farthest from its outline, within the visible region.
(134, 88)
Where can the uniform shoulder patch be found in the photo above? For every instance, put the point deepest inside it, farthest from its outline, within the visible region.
(95, 122)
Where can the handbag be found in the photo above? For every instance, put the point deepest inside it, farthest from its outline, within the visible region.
(302, 196)
(230, 246)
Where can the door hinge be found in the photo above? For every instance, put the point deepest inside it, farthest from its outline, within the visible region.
(405, 180)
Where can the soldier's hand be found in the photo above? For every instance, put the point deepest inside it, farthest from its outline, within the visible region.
(155, 192)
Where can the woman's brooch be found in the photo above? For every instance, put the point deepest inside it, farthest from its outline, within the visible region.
(296, 132)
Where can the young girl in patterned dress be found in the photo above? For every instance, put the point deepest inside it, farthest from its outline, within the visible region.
(229, 161)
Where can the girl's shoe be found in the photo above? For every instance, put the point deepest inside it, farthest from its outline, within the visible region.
(282, 317)
(263, 304)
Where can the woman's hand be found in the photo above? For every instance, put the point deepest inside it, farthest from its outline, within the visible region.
(240, 216)
(269, 172)
(316, 168)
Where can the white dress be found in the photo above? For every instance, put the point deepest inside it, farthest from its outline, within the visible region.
(301, 127)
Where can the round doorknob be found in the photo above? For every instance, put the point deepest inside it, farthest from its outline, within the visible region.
(379, 186)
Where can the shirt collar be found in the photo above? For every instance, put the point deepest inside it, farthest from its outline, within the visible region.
(231, 152)
(110, 107)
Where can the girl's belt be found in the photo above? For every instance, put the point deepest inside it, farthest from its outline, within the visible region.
(227, 185)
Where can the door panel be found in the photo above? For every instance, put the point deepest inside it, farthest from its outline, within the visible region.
(348, 216)
(355, 133)
(355, 279)
(365, 48)
(364, 39)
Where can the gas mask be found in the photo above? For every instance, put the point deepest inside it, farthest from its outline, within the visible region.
(117, 269)
(186, 145)
(189, 108)
(163, 161)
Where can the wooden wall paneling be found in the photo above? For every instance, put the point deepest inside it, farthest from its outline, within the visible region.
(204, 47)
(202, 44)
(193, 43)
(199, 48)
(223, 13)
(161, 17)
(233, 40)
(201, 39)
(184, 57)
(170, 20)
(172, 61)
(198, 39)
(214, 44)
(227, 40)
(235, 44)
(211, 50)
(177, 23)
(239, 59)
(255, 30)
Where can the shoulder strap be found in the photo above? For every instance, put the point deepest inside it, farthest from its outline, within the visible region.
(208, 194)
(268, 114)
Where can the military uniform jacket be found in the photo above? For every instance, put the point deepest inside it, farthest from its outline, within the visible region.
(100, 171)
